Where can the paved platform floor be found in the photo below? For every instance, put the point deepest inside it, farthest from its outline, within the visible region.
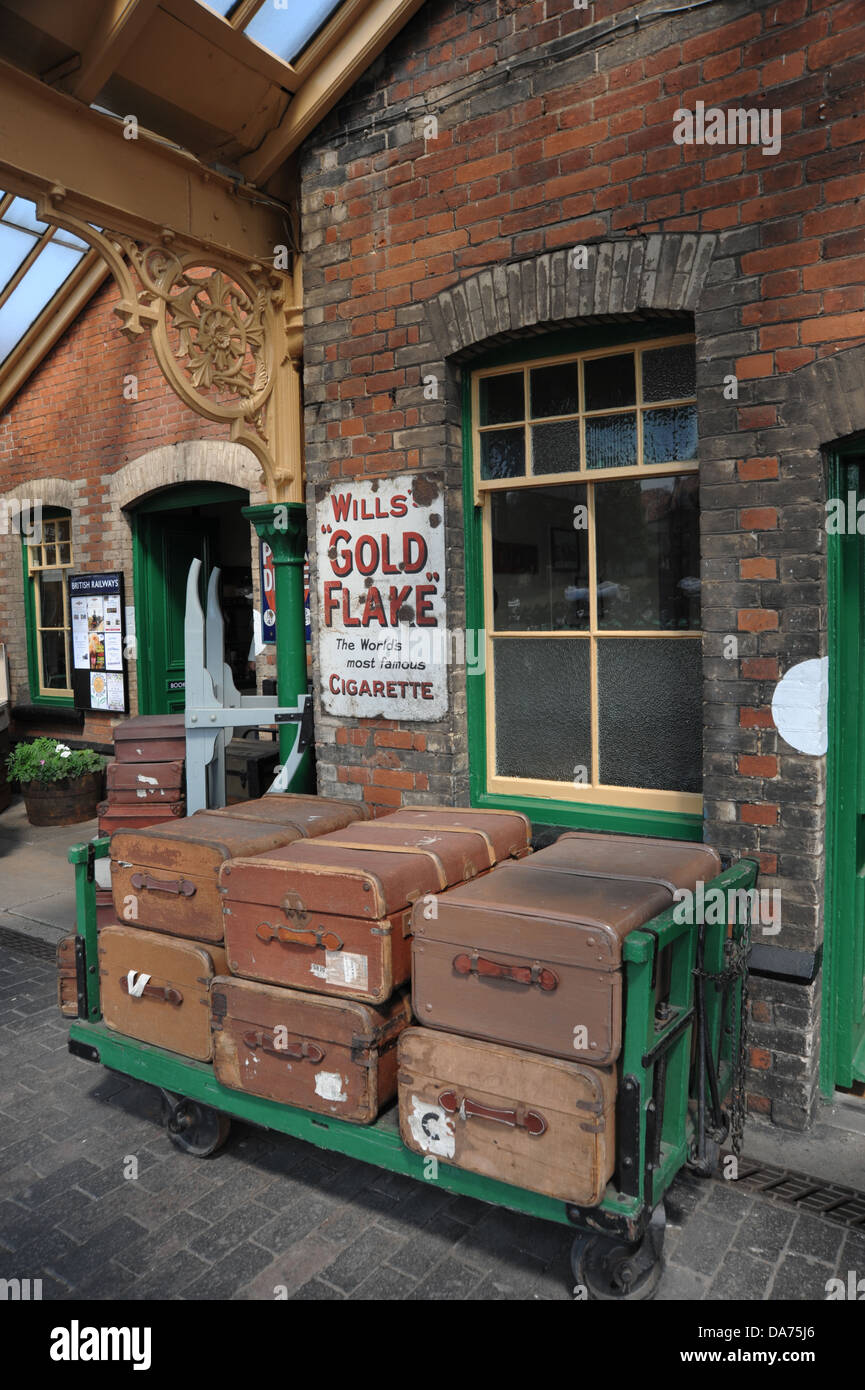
(271, 1213)
(271, 1216)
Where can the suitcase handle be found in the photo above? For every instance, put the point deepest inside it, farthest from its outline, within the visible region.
(181, 886)
(304, 1052)
(474, 964)
(529, 1120)
(290, 936)
(166, 993)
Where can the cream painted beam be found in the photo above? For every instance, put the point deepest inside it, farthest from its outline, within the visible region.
(337, 70)
(122, 22)
(136, 187)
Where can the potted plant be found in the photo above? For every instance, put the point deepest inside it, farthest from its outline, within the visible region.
(60, 786)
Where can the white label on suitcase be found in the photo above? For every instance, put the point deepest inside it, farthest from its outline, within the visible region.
(432, 1130)
(328, 1085)
(344, 969)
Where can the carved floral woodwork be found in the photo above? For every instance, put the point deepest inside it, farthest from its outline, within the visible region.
(225, 336)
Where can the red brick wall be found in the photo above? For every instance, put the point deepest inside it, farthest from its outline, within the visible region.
(70, 421)
(555, 129)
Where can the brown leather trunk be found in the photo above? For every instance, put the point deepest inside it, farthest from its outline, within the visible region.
(310, 815)
(165, 878)
(530, 955)
(334, 1056)
(332, 916)
(508, 832)
(130, 783)
(535, 1122)
(139, 816)
(67, 979)
(173, 1011)
(150, 738)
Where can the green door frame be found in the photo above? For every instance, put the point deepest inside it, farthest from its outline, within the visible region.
(842, 1044)
(144, 579)
(670, 825)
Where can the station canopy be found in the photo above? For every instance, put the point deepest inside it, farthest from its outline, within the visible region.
(234, 85)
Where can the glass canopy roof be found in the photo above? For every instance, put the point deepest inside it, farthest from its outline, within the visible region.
(283, 26)
(35, 261)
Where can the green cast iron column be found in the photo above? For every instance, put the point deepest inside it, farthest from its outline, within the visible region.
(283, 526)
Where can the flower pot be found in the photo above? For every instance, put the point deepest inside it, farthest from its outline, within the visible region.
(63, 803)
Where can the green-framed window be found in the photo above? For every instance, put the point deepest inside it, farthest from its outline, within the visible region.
(583, 573)
(48, 559)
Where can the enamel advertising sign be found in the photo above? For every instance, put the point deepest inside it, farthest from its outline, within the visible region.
(381, 597)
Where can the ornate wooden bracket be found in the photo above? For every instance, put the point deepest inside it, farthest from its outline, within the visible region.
(226, 336)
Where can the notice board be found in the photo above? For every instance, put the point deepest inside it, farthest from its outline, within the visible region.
(99, 676)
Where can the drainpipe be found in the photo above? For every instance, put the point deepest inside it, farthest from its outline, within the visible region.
(283, 526)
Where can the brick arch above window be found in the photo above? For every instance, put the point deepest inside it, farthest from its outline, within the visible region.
(48, 492)
(623, 277)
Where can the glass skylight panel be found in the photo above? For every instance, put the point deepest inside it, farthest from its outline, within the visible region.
(286, 29)
(14, 246)
(26, 302)
(23, 213)
(222, 6)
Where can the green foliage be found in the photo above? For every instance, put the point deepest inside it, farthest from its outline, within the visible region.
(46, 760)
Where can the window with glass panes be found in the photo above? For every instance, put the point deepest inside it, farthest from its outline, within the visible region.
(49, 560)
(585, 469)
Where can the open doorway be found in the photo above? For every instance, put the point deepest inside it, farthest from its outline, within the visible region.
(170, 529)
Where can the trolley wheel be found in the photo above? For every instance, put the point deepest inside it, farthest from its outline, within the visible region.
(708, 1166)
(610, 1269)
(194, 1128)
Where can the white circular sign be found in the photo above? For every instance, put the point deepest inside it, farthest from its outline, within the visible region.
(800, 706)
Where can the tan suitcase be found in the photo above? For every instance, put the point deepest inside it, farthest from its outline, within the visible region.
(131, 783)
(509, 833)
(67, 977)
(530, 955)
(301, 916)
(150, 738)
(333, 1056)
(165, 878)
(310, 815)
(535, 1122)
(156, 988)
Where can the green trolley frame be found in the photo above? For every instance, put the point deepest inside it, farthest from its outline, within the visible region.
(660, 1116)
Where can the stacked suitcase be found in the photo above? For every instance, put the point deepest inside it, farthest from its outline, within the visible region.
(317, 935)
(159, 957)
(517, 979)
(146, 780)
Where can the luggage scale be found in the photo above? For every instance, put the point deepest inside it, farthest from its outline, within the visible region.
(682, 1000)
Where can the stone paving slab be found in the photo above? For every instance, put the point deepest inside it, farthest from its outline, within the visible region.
(272, 1218)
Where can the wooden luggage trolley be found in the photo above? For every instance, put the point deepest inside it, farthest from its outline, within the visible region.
(680, 1088)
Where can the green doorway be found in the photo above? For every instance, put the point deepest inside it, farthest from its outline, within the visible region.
(192, 521)
(843, 1031)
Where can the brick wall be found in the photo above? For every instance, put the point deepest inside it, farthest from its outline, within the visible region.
(71, 438)
(555, 129)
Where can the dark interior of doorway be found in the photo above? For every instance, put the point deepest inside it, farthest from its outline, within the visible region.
(172, 528)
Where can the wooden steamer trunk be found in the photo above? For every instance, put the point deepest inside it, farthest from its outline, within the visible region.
(333, 1056)
(165, 878)
(130, 784)
(535, 1122)
(150, 738)
(531, 954)
(156, 988)
(310, 815)
(333, 915)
